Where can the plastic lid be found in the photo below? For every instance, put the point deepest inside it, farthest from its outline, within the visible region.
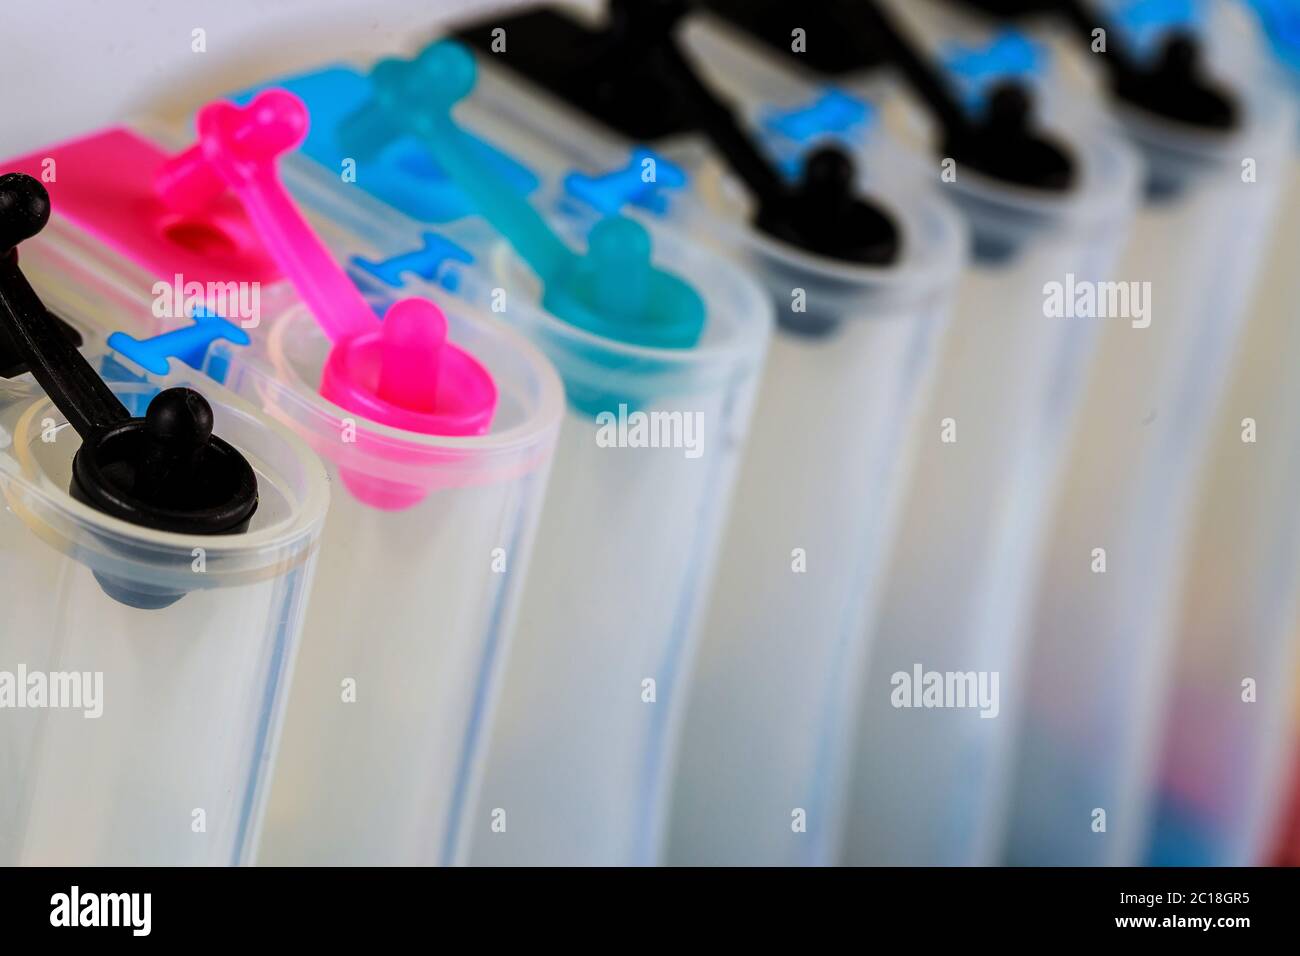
(1000, 137)
(400, 372)
(165, 471)
(1153, 54)
(613, 289)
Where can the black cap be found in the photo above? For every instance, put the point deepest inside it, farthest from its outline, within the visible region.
(1171, 85)
(1174, 86)
(827, 47)
(166, 471)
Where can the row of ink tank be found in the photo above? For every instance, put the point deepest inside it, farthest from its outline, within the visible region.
(735, 432)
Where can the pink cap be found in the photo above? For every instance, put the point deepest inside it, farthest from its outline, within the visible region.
(401, 372)
(406, 375)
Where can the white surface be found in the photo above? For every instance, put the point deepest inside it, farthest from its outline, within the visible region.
(115, 58)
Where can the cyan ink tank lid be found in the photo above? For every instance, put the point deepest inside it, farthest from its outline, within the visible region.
(613, 289)
(401, 173)
(165, 471)
(633, 77)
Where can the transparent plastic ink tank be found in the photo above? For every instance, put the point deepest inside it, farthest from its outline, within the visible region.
(1100, 667)
(157, 548)
(1228, 744)
(961, 571)
(409, 628)
(853, 345)
(927, 784)
(659, 343)
(175, 770)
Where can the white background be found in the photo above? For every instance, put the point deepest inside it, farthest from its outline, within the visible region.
(70, 66)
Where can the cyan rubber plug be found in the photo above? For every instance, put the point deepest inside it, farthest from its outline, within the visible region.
(614, 291)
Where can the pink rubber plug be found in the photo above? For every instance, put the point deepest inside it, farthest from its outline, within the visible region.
(406, 375)
(401, 372)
